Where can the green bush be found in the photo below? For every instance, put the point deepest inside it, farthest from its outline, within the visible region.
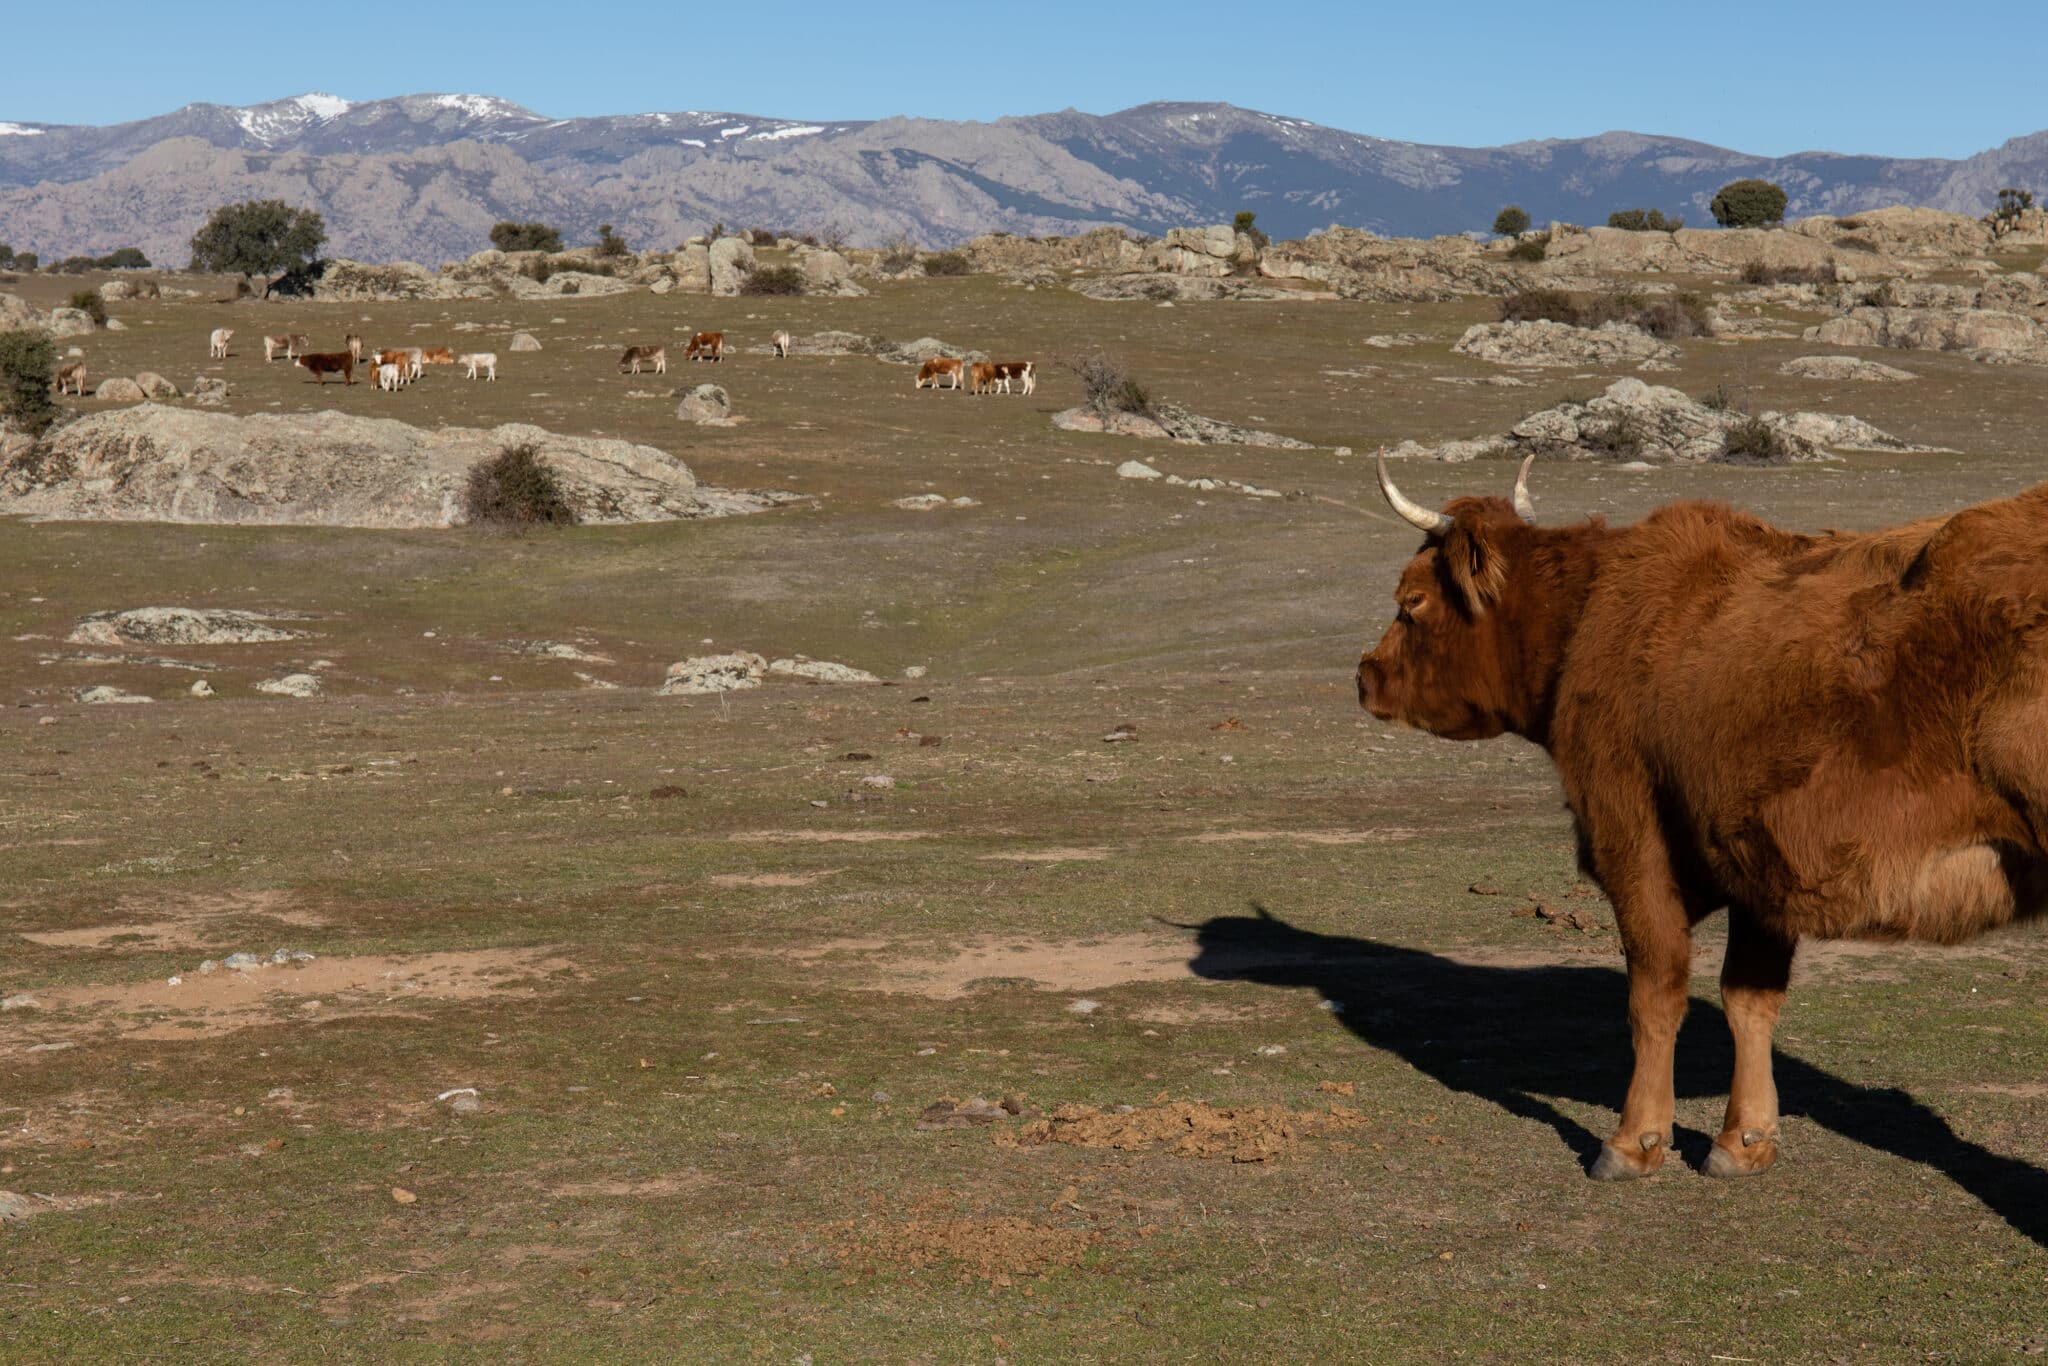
(1752, 441)
(1676, 316)
(1620, 436)
(1748, 203)
(1244, 223)
(124, 258)
(946, 263)
(773, 280)
(513, 490)
(526, 237)
(28, 360)
(1512, 221)
(92, 304)
(1531, 249)
(25, 260)
(899, 256)
(1644, 220)
(611, 246)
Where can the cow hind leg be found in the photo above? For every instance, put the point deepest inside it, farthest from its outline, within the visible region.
(1753, 978)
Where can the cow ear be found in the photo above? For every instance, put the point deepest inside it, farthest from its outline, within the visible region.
(1476, 564)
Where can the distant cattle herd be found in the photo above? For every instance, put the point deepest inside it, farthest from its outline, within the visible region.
(395, 368)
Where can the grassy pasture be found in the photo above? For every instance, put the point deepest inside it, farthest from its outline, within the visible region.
(706, 980)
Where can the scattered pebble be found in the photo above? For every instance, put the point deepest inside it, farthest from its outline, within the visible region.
(1083, 1006)
(23, 1001)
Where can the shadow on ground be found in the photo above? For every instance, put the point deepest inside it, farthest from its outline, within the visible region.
(1515, 1035)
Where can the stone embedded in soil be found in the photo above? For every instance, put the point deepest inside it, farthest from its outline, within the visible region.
(179, 626)
(291, 685)
(105, 694)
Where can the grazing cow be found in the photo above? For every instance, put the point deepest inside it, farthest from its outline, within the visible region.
(400, 358)
(355, 346)
(391, 376)
(781, 341)
(981, 377)
(321, 364)
(1833, 736)
(71, 378)
(437, 355)
(217, 344)
(654, 357)
(705, 346)
(486, 360)
(939, 368)
(288, 344)
(1021, 370)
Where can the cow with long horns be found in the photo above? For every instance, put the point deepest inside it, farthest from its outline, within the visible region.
(1832, 736)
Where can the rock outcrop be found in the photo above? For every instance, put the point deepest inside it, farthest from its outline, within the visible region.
(181, 626)
(708, 405)
(738, 670)
(156, 463)
(1634, 421)
(1356, 264)
(1844, 368)
(1170, 422)
(730, 260)
(1543, 343)
(1988, 335)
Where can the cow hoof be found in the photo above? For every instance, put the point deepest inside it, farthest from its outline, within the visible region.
(1619, 1164)
(1744, 1154)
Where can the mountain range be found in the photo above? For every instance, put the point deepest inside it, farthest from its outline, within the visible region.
(423, 177)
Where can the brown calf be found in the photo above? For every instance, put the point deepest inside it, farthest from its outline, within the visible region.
(706, 346)
(321, 364)
(938, 368)
(981, 377)
(71, 378)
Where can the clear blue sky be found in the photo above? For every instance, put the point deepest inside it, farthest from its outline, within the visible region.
(1878, 76)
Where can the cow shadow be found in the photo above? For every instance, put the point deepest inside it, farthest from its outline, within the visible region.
(1516, 1035)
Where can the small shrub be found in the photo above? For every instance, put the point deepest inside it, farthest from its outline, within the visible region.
(1540, 305)
(1621, 436)
(1750, 203)
(946, 263)
(611, 246)
(832, 236)
(1531, 249)
(1244, 223)
(93, 306)
(1848, 224)
(526, 237)
(1717, 399)
(1108, 386)
(1676, 317)
(539, 270)
(1644, 220)
(1757, 273)
(1622, 306)
(899, 256)
(1752, 441)
(1512, 221)
(760, 237)
(28, 361)
(513, 490)
(773, 280)
(124, 258)
(26, 260)
(717, 231)
(73, 265)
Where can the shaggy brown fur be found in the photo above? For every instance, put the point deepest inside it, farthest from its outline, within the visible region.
(321, 364)
(1831, 735)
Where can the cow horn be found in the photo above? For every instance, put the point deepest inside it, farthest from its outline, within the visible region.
(1524, 506)
(1411, 512)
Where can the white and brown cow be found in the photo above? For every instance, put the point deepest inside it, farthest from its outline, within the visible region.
(940, 368)
(705, 346)
(1023, 371)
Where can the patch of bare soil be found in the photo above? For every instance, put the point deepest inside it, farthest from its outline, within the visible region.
(1387, 835)
(993, 1248)
(1049, 856)
(16, 1209)
(1058, 967)
(1242, 1133)
(650, 1189)
(829, 836)
(226, 1000)
(188, 927)
(771, 879)
(1864, 960)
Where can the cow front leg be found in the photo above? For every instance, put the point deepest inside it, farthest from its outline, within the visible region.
(1753, 978)
(1659, 942)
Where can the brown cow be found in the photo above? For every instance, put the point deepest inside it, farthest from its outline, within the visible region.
(71, 378)
(981, 377)
(437, 355)
(938, 368)
(1833, 736)
(634, 357)
(321, 364)
(705, 346)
